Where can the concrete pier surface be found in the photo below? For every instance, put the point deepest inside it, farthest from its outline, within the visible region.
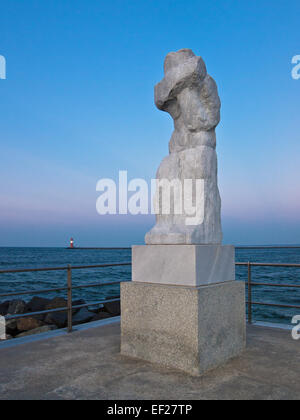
(87, 365)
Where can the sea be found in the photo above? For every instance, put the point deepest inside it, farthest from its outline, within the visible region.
(18, 258)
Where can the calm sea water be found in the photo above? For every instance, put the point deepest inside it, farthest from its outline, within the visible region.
(11, 258)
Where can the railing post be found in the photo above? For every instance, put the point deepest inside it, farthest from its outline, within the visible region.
(70, 326)
(249, 294)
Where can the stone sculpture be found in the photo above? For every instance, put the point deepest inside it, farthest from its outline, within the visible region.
(190, 96)
(189, 311)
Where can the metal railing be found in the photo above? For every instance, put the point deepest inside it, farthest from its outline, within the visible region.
(70, 287)
(250, 284)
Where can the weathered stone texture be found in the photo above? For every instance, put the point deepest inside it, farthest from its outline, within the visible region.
(190, 96)
(193, 329)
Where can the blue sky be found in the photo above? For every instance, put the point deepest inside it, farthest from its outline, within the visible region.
(77, 105)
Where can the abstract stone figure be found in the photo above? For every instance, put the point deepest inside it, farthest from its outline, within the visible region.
(190, 96)
(189, 311)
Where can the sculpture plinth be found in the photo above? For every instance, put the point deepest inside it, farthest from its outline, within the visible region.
(184, 308)
(193, 329)
(183, 265)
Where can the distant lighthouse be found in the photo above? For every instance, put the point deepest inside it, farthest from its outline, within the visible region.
(71, 243)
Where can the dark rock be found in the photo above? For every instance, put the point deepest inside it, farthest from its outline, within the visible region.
(60, 319)
(40, 317)
(37, 304)
(113, 308)
(83, 316)
(56, 303)
(11, 327)
(101, 315)
(77, 302)
(39, 330)
(4, 307)
(96, 310)
(16, 307)
(26, 324)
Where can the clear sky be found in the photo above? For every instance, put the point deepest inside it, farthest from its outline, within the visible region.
(77, 105)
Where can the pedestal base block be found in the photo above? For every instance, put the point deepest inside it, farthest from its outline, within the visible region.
(193, 329)
(184, 265)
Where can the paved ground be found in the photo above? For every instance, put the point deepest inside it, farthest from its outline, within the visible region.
(87, 365)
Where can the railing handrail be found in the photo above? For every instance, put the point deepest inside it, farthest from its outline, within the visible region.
(82, 267)
(70, 307)
(74, 267)
(62, 309)
(256, 264)
(80, 286)
(250, 302)
(70, 287)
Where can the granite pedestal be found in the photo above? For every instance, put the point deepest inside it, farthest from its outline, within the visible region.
(195, 323)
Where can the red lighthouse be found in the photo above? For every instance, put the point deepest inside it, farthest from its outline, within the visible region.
(71, 243)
